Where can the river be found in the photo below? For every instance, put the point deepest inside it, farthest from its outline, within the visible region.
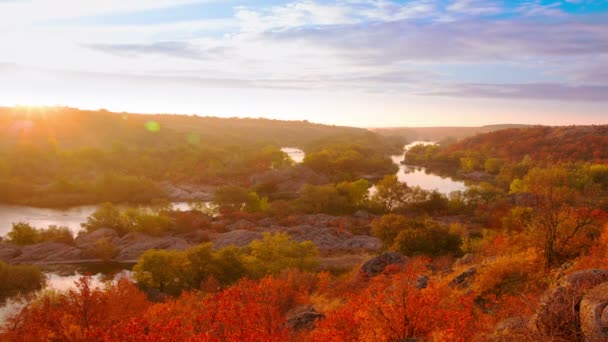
(418, 176)
(73, 217)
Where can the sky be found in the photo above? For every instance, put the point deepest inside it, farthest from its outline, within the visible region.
(366, 63)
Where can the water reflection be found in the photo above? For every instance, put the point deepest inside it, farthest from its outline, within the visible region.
(296, 154)
(419, 176)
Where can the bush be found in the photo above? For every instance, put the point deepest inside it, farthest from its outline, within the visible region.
(103, 249)
(25, 234)
(19, 279)
(431, 240)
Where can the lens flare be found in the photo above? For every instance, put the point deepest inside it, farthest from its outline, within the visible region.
(153, 126)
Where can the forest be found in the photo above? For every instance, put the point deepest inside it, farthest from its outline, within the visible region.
(520, 255)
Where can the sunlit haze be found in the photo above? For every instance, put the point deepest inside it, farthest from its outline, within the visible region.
(368, 63)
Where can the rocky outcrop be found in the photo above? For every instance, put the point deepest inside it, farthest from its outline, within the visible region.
(286, 182)
(558, 314)
(87, 241)
(188, 192)
(512, 329)
(377, 265)
(239, 238)
(9, 251)
(594, 314)
(133, 245)
(48, 252)
(463, 279)
(304, 319)
(329, 238)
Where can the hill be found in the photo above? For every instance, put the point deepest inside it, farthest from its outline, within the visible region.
(557, 144)
(440, 133)
(69, 128)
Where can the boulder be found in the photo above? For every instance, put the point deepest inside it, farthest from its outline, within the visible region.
(463, 280)
(48, 252)
(557, 315)
(133, 245)
(594, 314)
(377, 265)
(239, 238)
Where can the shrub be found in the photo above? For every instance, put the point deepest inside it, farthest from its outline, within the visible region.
(19, 278)
(25, 234)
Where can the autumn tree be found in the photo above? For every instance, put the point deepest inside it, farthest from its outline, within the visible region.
(560, 218)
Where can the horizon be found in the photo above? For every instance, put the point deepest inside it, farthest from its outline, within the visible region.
(363, 63)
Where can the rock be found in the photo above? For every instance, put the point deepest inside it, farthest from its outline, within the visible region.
(9, 251)
(463, 279)
(304, 320)
(287, 182)
(361, 242)
(86, 241)
(422, 282)
(196, 237)
(557, 315)
(361, 214)
(133, 245)
(239, 238)
(240, 225)
(594, 314)
(267, 222)
(48, 252)
(377, 265)
(467, 259)
(511, 329)
(188, 192)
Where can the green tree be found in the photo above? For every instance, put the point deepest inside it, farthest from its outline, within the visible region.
(164, 270)
(106, 216)
(23, 234)
(276, 252)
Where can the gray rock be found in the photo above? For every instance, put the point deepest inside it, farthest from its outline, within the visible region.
(133, 245)
(86, 241)
(377, 265)
(48, 252)
(361, 242)
(557, 315)
(9, 251)
(239, 238)
(594, 314)
(463, 279)
(240, 225)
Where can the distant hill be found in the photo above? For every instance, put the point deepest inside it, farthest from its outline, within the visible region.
(556, 144)
(440, 133)
(72, 128)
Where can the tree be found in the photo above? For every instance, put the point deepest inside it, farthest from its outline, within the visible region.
(23, 234)
(106, 216)
(390, 194)
(162, 270)
(558, 220)
(276, 252)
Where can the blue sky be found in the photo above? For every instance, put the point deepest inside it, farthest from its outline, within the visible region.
(348, 62)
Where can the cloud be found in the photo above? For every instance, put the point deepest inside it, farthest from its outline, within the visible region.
(468, 40)
(168, 48)
(540, 91)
